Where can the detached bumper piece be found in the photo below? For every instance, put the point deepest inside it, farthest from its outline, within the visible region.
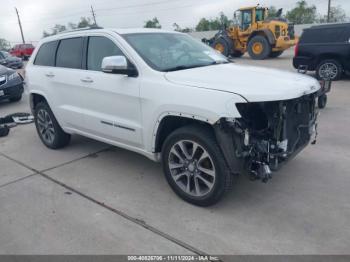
(270, 133)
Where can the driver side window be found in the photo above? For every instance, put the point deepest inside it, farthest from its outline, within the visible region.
(246, 19)
(100, 47)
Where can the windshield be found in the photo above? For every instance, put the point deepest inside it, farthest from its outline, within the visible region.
(171, 52)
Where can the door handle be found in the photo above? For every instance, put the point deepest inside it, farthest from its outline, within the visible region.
(50, 74)
(87, 80)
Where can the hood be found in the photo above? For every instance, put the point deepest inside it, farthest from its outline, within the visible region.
(5, 71)
(13, 59)
(255, 84)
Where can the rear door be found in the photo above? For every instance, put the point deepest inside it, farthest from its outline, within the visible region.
(111, 101)
(68, 90)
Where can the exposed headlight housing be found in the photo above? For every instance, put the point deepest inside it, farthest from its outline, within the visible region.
(13, 76)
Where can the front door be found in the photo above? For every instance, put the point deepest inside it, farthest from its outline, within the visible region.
(111, 101)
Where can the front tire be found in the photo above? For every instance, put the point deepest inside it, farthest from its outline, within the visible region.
(329, 69)
(195, 167)
(221, 45)
(49, 131)
(259, 48)
(322, 102)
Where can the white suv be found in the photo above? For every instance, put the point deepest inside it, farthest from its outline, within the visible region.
(173, 99)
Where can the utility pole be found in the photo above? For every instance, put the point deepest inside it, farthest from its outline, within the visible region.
(329, 11)
(93, 15)
(20, 26)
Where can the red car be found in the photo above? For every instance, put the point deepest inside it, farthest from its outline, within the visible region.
(22, 50)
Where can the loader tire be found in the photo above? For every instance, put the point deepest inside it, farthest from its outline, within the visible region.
(259, 48)
(221, 45)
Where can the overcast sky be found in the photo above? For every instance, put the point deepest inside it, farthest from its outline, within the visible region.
(39, 15)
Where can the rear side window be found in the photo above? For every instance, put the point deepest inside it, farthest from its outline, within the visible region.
(46, 54)
(325, 35)
(69, 53)
(99, 48)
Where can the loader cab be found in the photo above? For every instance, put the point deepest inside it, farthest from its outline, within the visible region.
(246, 17)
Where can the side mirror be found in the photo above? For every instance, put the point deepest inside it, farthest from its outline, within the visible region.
(118, 65)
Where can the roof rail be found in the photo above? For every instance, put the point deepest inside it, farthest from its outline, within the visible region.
(81, 29)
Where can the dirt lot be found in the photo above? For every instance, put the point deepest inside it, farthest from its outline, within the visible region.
(90, 198)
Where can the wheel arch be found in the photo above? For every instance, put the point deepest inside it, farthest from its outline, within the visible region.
(330, 56)
(35, 98)
(170, 122)
(266, 33)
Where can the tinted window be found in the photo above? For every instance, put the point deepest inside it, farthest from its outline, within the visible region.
(2, 56)
(99, 48)
(69, 53)
(46, 54)
(324, 35)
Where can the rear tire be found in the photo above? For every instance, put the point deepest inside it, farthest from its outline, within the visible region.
(49, 131)
(276, 54)
(329, 69)
(259, 48)
(199, 176)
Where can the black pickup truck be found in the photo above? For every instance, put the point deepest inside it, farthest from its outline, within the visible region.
(324, 49)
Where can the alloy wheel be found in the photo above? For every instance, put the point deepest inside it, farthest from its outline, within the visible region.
(45, 126)
(192, 168)
(328, 71)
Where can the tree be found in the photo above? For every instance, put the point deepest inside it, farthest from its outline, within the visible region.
(84, 22)
(222, 21)
(4, 44)
(302, 13)
(203, 25)
(337, 15)
(177, 28)
(154, 23)
(55, 30)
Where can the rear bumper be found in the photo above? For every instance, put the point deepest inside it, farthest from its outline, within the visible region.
(12, 91)
(305, 62)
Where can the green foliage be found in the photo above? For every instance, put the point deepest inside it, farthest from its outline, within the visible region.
(222, 21)
(84, 22)
(302, 13)
(4, 44)
(337, 15)
(177, 28)
(154, 23)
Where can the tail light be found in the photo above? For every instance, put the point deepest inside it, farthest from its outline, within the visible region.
(296, 50)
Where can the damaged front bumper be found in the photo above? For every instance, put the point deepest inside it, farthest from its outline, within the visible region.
(267, 135)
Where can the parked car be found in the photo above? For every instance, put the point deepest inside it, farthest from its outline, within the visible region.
(173, 99)
(324, 49)
(6, 59)
(23, 51)
(11, 84)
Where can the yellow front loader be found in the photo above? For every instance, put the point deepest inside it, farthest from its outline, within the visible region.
(255, 33)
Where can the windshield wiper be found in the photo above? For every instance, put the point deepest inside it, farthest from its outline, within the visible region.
(184, 67)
